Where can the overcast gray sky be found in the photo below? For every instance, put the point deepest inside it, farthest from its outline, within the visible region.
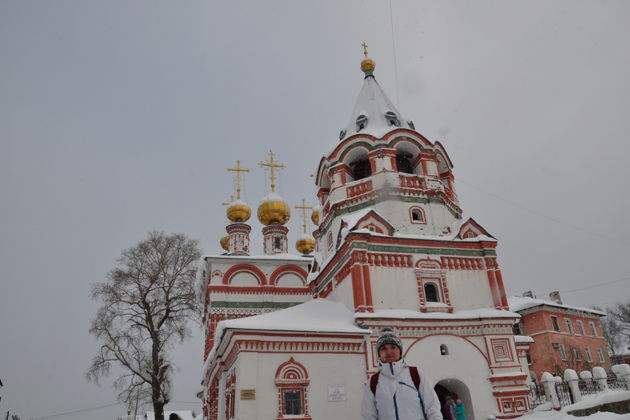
(117, 118)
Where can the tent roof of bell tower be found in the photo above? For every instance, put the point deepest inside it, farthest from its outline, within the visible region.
(373, 113)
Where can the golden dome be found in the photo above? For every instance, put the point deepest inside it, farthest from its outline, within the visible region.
(224, 242)
(273, 210)
(305, 244)
(238, 212)
(368, 65)
(315, 217)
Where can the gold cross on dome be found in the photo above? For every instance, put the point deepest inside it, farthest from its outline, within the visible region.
(364, 45)
(304, 207)
(272, 165)
(238, 179)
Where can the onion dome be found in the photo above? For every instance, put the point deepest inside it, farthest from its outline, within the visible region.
(225, 242)
(305, 244)
(367, 66)
(315, 216)
(238, 211)
(273, 210)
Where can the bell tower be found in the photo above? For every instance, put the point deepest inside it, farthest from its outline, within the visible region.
(383, 164)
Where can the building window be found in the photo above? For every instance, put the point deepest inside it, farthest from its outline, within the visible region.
(292, 383)
(361, 122)
(600, 355)
(292, 402)
(277, 242)
(567, 321)
(392, 119)
(554, 323)
(517, 329)
(528, 357)
(580, 326)
(443, 350)
(430, 292)
(589, 357)
(591, 325)
(576, 354)
(563, 353)
(417, 215)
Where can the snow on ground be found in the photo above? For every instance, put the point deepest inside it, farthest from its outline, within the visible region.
(588, 401)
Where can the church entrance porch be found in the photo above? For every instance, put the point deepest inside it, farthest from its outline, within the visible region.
(456, 389)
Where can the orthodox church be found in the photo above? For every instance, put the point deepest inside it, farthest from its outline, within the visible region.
(293, 336)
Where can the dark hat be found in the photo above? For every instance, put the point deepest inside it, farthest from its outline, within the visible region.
(388, 336)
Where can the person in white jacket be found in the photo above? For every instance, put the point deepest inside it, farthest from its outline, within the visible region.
(393, 394)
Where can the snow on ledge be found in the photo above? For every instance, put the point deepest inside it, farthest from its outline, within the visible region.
(466, 314)
(523, 339)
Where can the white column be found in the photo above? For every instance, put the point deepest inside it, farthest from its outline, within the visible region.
(623, 372)
(600, 376)
(571, 377)
(549, 385)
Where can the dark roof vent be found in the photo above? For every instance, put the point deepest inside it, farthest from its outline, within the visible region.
(342, 134)
(411, 125)
(362, 122)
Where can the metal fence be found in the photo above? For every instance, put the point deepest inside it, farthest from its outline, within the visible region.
(564, 393)
(616, 383)
(588, 386)
(536, 395)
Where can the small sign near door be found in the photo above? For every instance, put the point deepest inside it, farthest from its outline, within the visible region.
(336, 393)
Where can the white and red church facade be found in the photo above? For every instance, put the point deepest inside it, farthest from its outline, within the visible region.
(294, 336)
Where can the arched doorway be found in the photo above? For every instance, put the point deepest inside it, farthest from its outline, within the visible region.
(457, 390)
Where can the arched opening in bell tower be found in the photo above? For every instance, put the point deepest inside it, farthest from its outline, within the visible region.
(403, 162)
(359, 163)
(361, 169)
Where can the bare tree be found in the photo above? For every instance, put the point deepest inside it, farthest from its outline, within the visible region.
(147, 301)
(621, 314)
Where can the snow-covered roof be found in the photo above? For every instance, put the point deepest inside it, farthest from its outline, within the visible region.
(373, 103)
(280, 256)
(523, 339)
(317, 315)
(520, 303)
(465, 314)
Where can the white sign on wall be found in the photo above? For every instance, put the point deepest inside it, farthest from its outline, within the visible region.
(336, 393)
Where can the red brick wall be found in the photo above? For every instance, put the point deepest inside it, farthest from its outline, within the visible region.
(546, 358)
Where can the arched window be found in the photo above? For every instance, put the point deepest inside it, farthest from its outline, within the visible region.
(361, 122)
(403, 162)
(392, 119)
(430, 292)
(361, 169)
(292, 383)
(443, 350)
(417, 215)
